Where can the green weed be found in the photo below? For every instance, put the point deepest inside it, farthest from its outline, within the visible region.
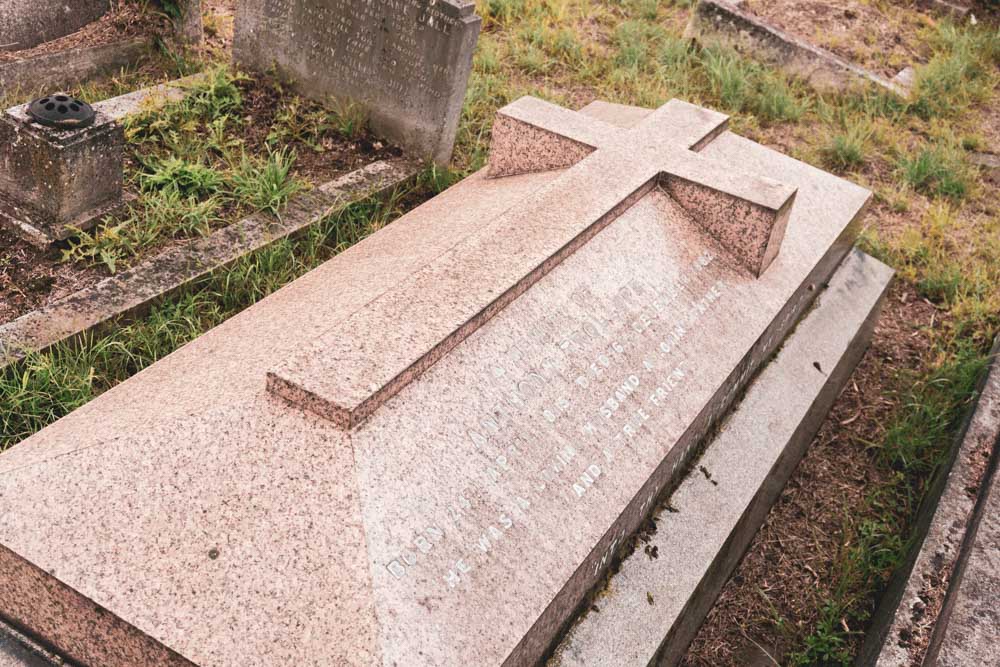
(961, 73)
(846, 148)
(265, 184)
(937, 170)
(190, 179)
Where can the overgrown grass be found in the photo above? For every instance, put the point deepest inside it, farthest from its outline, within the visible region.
(46, 386)
(938, 170)
(875, 542)
(193, 166)
(961, 73)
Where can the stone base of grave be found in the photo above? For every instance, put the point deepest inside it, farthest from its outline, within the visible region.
(722, 21)
(652, 607)
(714, 519)
(42, 231)
(944, 604)
(228, 523)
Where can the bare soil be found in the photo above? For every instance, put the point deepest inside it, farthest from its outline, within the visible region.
(126, 19)
(881, 37)
(781, 580)
(30, 278)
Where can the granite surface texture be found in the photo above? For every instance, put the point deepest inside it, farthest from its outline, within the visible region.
(468, 516)
(652, 607)
(746, 213)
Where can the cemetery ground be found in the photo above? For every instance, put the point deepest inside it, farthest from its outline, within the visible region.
(233, 146)
(127, 19)
(806, 589)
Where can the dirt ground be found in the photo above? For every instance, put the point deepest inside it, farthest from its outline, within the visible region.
(778, 578)
(126, 19)
(881, 37)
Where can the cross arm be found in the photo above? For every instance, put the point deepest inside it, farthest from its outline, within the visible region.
(532, 135)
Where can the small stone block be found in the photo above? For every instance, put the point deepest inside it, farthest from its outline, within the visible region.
(52, 180)
(406, 63)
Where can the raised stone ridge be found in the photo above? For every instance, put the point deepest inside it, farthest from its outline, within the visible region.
(357, 365)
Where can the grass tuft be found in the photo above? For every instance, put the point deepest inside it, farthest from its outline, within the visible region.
(939, 171)
(265, 184)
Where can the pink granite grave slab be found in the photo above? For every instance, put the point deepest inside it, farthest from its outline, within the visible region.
(191, 515)
(353, 368)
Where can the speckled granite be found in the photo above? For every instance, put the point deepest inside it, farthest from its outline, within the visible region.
(713, 517)
(465, 519)
(37, 599)
(745, 212)
(355, 367)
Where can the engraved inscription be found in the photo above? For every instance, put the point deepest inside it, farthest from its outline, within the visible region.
(633, 344)
(406, 62)
(387, 45)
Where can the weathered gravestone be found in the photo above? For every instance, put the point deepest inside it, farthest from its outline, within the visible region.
(406, 61)
(56, 180)
(450, 447)
(27, 23)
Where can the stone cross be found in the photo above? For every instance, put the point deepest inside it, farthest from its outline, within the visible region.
(747, 214)
(362, 362)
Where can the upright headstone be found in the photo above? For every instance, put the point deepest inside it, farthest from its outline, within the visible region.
(27, 23)
(450, 448)
(406, 61)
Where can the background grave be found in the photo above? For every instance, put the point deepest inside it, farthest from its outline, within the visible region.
(345, 168)
(406, 63)
(89, 39)
(27, 23)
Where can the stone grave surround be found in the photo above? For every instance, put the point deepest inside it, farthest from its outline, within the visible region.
(451, 444)
(406, 61)
(28, 23)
